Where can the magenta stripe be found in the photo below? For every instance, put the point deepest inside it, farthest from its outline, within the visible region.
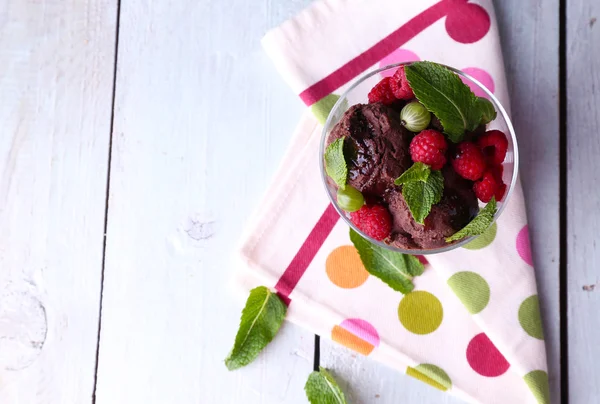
(306, 253)
(380, 50)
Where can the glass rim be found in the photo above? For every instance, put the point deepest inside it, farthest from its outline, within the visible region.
(449, 247)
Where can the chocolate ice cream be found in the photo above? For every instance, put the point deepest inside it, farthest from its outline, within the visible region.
(376, 147)
(456, 209)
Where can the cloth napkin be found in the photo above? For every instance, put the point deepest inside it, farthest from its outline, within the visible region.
(472, 325)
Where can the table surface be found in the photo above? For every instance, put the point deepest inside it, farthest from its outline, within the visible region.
(139, 137)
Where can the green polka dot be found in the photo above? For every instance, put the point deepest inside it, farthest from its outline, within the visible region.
(530, 318)
(484, 240)
(420, 312)
(432, 375)
(472, 290)
(321, 108)
(537, 381)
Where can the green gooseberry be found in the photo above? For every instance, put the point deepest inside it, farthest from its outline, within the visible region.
(350, 199)
(415, 117)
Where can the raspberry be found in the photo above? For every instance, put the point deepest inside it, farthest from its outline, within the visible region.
(400, 86)
(429, 147)
(382, 93)
(486, 188)
(498, 171)
(500, 192)
(375, 221)
(468, 162)
(494, 145)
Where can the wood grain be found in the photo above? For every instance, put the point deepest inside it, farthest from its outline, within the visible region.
(56, 80)
(201, 121)
(529, 34)
(365, 381)
(583, 203)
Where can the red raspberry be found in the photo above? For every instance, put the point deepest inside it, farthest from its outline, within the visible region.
(494, 145)
(468, 162)
(382, 93)
(486, 188)
(375, 221)
(500, 192)
(429, 147)
(400, 86)
(498, 172)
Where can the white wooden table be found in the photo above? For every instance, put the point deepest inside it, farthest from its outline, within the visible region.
(138, 136)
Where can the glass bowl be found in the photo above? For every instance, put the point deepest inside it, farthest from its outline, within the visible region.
(357, 94)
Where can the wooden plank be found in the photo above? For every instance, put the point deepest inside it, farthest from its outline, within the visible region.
(367, 381)
(201, 122)
(529, 33)
(198, 136)
(56, 80)
(583, 202)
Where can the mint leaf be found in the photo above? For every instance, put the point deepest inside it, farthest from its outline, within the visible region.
(418, 172)
(422, 188)
(335, 164)
(261, 319)
(445, 95)
(488, 112)
(479, 225)
(321, 388)
(421, 196)
(395, 269)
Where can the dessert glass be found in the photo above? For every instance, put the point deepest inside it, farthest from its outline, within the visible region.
(357, 94)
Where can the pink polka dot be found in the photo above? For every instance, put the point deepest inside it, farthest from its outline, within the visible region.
(422, 259)
(362, 329)
(524, 246)
(484, 357)
(483, 77)
(467, 23)
(398, 56)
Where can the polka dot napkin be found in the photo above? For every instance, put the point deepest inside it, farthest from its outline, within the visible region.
(477, 306)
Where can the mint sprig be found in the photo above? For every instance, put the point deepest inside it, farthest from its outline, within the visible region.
(488, 112)
(479, 224)
(321, 388)
(420, 195)
(444, 94)
(335, 163)
(395, 269)
(422, 188)
(261, 319)
(417, 172)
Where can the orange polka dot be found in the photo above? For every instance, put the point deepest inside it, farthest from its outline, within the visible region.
(345, 269)
(349, 340)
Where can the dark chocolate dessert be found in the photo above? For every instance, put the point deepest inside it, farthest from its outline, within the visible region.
(402, 177)
(376, 147)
